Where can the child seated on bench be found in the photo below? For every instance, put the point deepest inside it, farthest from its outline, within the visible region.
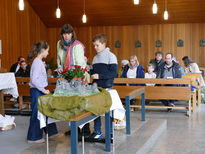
(150, 74)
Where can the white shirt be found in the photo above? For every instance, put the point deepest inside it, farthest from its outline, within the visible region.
(132, 73)
(150, 76)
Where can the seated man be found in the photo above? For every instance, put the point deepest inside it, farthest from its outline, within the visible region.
(15, 67)
(169, 70)
(157, 61)
(24, 70)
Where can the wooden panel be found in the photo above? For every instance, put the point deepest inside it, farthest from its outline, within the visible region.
(147, 34)
(152, 81)
(18, 31)
(178, 93)
(120, 12)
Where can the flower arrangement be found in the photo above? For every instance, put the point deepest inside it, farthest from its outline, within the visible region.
(76, 72)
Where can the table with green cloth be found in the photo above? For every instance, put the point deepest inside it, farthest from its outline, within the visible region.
(65, 108)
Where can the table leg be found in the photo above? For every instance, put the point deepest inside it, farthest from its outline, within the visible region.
(143, 106)
(74, 137)
(127, 103)
(2, 103)
(107, 132)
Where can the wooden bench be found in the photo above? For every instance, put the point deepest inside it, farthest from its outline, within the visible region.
(24, 88)
(163, 92)
(198, 76)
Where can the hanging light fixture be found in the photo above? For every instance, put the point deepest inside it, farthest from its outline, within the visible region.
(21, 5)
(166, 12)
(84, 19)
(58, 11)
(136, 2)
(154, 7)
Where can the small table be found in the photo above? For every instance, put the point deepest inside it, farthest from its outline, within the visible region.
(129, 93)
(7, 86)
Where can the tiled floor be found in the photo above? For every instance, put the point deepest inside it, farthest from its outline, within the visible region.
(184, 135)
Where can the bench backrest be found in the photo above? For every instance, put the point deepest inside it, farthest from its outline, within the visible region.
(164, 91)
(24, 88)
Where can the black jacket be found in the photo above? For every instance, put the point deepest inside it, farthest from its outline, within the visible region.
(156, 64)
(22, 73)
(13, 67)
(175, 70)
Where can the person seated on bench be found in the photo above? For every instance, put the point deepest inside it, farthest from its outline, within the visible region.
(103, 73)
(181, 68)
(169, 70)
(133, 69)
(192, 67)
(24, 70)
(157, 61)
(150, 74)
(123, 64)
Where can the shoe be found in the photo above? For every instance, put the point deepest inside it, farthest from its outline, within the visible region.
(58, 135)
(170, 109)
(120, 125)
(36, 141)
(96, 136)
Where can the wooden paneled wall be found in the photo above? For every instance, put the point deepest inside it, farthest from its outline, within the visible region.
(148, 34)
(18, 31)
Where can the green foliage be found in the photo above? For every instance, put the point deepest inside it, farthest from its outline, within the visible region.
(51, 64)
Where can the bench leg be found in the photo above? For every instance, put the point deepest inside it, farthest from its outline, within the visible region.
(189, 110)
(2, 103)
(20, 102)
(193, 101)
(199, 97)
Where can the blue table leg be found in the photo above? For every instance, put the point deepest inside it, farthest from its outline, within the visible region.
(127, 102)
(74, 137)
(143, 106)
(107, 132)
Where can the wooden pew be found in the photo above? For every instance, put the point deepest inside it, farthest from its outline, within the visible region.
(24, 88)
(165, 92)
(198, 76)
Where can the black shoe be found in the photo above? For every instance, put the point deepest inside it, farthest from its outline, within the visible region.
(169, 110)
(67, 133)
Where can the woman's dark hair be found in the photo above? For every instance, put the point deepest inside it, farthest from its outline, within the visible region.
(67, 29)
(187, 61)
(36, 49)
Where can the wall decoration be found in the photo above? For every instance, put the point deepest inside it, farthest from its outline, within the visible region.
(202, 42)
(180, 43)
(158, 43)
(117, 44)
(138, 44)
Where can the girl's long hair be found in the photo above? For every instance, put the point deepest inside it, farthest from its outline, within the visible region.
(36, 49)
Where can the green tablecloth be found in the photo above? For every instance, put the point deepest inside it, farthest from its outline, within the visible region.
(65, 108)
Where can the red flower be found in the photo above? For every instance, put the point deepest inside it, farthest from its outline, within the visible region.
(74, 70)
(83, 77)
(75, 66)
(79, 66)
(65, 70)
(85, 69)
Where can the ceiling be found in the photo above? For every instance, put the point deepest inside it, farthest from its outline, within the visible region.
(118, 12)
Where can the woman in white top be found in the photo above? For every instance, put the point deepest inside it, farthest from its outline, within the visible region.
(192, 67)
